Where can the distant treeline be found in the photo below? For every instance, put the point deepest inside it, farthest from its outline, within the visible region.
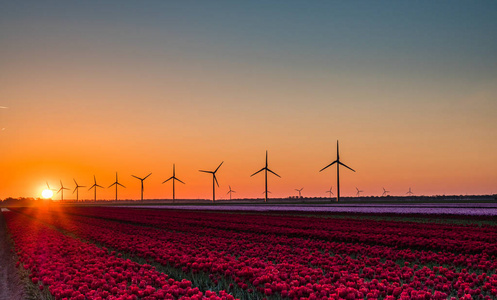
(23, 202)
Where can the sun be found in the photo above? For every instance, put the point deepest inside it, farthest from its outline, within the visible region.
(47, 194)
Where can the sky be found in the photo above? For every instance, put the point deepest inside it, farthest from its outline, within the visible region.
(97, 87)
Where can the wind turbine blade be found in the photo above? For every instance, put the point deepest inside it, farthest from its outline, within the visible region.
(95, 179)
(179, 180)
(121, 185)
(228, 192)
(258, 171)
(136, 177)
(274, 173)
(65, 188)
(205, 171)
(167, 179)
(48, 186)
(218, 167)
(75, 182)
(328, 166)
(91, 187)
(100, 186)
(346, 166)
(147, 176)
(112, 184)
(215, 179)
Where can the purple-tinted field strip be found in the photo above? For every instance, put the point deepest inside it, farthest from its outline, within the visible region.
(471, 209)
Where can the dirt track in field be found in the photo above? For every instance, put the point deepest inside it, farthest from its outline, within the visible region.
(10, 285)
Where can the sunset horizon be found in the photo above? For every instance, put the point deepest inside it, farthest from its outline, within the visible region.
(91, 89)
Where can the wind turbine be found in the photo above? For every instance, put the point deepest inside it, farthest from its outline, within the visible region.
(358, 192)
(94, 186)
(230, 191)
(173, 178)
(142, 179)
(76, 189)
(338, 162)
(61, 191)
(329, 191)
(214, 181)
(116, 184)
(265, 169)
(53, 190)
(385, 192)
(300, 195)
(409, 192)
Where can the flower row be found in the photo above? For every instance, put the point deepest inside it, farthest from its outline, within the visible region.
(73, 269)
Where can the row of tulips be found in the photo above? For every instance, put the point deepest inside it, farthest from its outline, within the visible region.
(72, 269)
(286, 268)
(412, 235)
(213, 225)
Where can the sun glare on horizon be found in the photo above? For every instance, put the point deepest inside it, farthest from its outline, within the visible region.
(47, 194)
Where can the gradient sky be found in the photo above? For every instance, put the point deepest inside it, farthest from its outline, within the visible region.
(95, 87)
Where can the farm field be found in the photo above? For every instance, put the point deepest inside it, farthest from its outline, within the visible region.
(149, 253)
(474, 209)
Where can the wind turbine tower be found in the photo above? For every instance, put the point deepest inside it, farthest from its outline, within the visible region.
(142, 179)
(300, 192)
(230, 191)
(338, 162)
(94, 186)
(265, 169)
(76, 189)
(214, 181)
(116, 183)
(61, 191)
(173, 178)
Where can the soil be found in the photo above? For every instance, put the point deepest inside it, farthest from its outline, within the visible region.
(11, 287)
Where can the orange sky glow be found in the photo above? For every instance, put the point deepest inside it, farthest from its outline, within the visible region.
(87, 93)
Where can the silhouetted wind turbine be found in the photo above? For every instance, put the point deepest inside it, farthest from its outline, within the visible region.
(358, 192)
(116, 184)
(173, 178)
(214, 180)
(265, 169)
(300, 195)
(141, 179)
(48, 186)
(230, 191)
(94, 186)
(409, 192)
(338, 162)
(61, 191)
(330, 192)
(76, 189)
(385, 192)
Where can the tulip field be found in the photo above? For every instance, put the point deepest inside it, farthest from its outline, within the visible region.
(139, 253)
